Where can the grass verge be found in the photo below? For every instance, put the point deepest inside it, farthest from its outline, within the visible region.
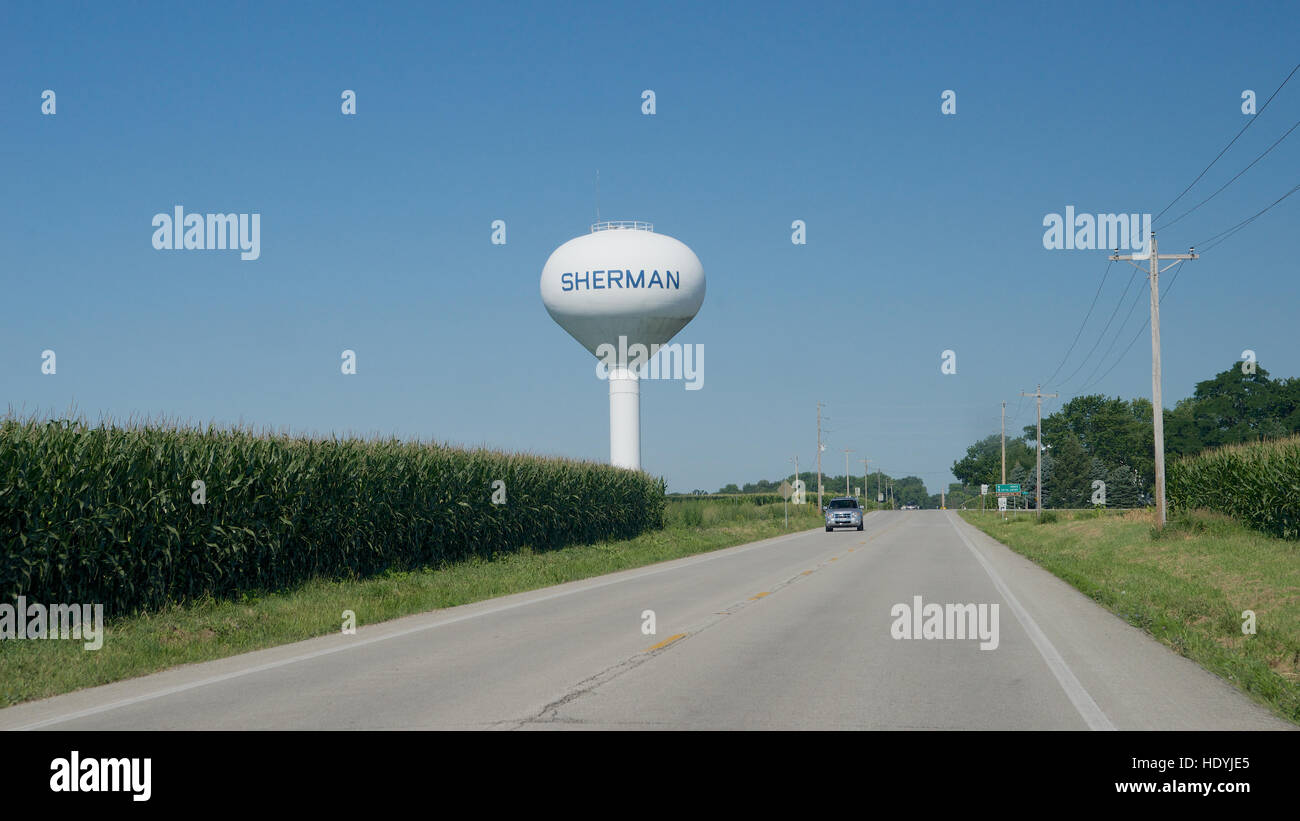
(206, 630)
(1187, 586)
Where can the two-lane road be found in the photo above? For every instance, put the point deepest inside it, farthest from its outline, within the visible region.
(789, 633)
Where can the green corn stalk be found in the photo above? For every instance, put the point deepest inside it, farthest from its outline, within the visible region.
(1257, 483)
(104, 514)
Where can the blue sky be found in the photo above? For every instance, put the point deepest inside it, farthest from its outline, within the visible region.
(924, 231)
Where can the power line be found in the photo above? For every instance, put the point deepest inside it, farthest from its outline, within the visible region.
(1211, 242)
(1086, 317)
(1248, 124)
(1087, 380)
(1146, 324)
(1234, 179)
(1102, 335)
(1225, 235)
(1207, 245)
(1154, 257)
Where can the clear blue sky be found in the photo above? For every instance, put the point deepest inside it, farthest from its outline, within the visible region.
(924, 230)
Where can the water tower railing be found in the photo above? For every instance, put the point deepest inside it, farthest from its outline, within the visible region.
(629, 225)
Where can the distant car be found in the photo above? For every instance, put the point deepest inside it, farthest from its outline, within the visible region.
(843, 512)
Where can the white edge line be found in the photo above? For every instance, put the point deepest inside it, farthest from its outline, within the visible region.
(1088, 709)
(180, 688)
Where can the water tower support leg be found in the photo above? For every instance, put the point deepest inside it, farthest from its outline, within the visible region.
(624, 418)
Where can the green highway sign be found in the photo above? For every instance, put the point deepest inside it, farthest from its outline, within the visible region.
(1008, 488)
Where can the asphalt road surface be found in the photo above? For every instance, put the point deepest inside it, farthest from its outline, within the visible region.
(795, 632)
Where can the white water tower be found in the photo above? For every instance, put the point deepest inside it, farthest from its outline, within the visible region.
(620, 286)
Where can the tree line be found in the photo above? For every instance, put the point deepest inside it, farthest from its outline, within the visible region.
(1096, 437)
(903, 490)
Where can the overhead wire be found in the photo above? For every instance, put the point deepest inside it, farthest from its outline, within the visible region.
(1234, 179)
(1082, 325)
(1222, 236)
(1146, 324)
(1102, 335)
(1248, 124)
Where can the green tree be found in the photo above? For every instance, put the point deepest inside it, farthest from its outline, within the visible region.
(1122, 488)
(982, 464)
(1231, 408)
(1029, 484)
(910, 490)
(1116, 431)
(1070, 485)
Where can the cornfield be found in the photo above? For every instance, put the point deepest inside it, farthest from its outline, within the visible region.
(1256, 483)
(110, 514)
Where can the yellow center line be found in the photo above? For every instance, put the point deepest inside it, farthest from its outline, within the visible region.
(666, 642)
(760, 595)
(806, 573)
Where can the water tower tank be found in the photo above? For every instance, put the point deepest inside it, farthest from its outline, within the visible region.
(619, 286)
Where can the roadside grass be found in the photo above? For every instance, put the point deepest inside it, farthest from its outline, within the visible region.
(206, 630)
(1187, 586)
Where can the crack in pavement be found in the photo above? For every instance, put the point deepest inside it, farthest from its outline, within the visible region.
(550, 713)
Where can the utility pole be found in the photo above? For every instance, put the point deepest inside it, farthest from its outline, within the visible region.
(794, 459)
(1038, 445)
(865, 476)
(846, 470)
(1157, 406)
(820, 448)
(795, 484)
(1004, 441)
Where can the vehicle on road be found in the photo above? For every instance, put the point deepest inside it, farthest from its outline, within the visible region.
(843, 512)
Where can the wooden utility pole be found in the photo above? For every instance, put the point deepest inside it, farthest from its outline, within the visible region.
(1157, 406)
(846, 470)
(820, 448)
(795, 459)
(1038, 444)
(865, 489)
(1004, 441)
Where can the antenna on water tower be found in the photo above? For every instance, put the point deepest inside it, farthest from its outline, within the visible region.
(623, 291)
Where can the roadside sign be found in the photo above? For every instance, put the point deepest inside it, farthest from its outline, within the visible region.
(1008, 488)
(984, 490)
(1002, 503)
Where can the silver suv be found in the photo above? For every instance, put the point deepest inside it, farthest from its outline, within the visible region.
(843, 512)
